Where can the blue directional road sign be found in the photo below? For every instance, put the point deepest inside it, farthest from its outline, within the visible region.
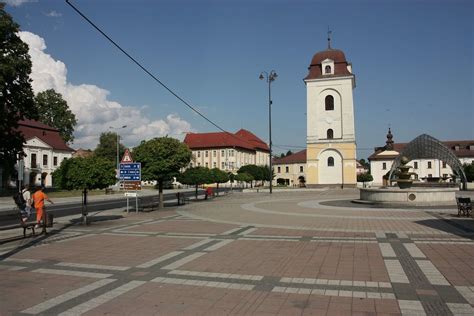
(131, 171)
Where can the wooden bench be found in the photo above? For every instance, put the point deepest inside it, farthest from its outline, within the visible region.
(20, 224)
(464, 206)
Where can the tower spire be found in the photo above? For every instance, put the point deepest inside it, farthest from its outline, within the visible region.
(389, 142)
(329, 38)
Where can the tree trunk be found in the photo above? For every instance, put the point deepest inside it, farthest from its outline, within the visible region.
(160, 193)
(196, 191)
(217, 189)
(84, 207)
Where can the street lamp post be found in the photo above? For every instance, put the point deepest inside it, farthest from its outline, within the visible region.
(269, 77)
(118, 138)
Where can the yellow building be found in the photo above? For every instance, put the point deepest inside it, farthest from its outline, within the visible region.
(331, 146)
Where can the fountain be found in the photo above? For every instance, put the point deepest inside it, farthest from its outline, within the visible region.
(404, 177)
(408, 194)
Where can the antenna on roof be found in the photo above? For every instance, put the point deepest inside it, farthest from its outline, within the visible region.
(329, 38)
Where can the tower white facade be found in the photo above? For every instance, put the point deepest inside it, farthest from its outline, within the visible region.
(331, 146)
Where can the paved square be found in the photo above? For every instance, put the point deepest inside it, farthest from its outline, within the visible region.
(247, 254)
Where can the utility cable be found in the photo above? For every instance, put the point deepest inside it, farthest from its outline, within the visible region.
(151, 75)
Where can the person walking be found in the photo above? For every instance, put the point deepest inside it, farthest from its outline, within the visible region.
(38, 198)
(26, 211)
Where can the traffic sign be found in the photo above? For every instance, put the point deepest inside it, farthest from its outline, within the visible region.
(130, 171)
(127, 157)
(132, 185)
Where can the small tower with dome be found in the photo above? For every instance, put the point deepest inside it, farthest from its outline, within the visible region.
(331, 145)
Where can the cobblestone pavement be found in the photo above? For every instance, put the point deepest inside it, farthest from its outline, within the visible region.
(283, 254)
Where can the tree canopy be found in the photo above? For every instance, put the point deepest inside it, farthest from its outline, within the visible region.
(365, 177)
(16, 94)
(218, 176)
(107, 147)
(196, 176)
(161, 159)
(84, 173)
(54, 111)
(244, 177)
(469, 171)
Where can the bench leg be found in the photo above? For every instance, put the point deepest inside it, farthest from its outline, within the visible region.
(24, 232)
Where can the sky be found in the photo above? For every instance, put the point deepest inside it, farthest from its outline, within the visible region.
(413, 62)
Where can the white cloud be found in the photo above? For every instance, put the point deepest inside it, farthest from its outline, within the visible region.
(17, 3)
(94, 111)
(53, 14)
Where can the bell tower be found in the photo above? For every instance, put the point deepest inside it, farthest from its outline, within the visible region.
(330, 142)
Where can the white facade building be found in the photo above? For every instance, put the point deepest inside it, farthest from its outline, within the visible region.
(426, 169)
(227, 152)
(44, 151)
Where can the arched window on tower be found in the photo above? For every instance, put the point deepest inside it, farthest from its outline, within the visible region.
(330, 162)
(327, 69)
(329, 102)
(330, 134)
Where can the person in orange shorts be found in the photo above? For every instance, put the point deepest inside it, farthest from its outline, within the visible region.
(38, 199)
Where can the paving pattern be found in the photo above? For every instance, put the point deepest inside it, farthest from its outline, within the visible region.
(247, 254)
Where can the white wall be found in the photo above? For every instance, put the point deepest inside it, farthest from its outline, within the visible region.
(330, 175)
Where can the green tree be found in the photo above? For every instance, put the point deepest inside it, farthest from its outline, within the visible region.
(219, 176)
(244, 177)
(107, 147)
(364, 164)
(365, 177)
(289, 152)
(84, 173)
(161, 160)
(16, 95)
(54, 111)
(196, 176)
(253, 170)
(469, 171)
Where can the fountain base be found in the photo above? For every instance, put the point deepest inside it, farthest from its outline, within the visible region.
(414, 196)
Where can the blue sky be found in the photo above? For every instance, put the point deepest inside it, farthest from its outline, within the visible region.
(413, 62)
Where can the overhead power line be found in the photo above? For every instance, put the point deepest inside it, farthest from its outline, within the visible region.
(136, 62)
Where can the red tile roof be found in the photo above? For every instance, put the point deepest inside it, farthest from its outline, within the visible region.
(299, 157)
(340, 64)
(462, 152)
(45, 133)
(241, 139)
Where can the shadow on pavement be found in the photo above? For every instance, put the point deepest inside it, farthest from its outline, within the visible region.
(450, 223)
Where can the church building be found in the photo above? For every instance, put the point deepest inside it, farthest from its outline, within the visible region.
(331, 145)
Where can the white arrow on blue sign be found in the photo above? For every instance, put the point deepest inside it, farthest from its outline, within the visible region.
(130, 171)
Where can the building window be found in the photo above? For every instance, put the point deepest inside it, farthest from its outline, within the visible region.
(207, 154)
(415, 165)
(301, 168)
(214, 164)
(429, 164)
(327, 69)
(199, 164)
(329, 102)
(199, 154)
(207, 165)
(445, 175)
(444, 164)
(45, 160)
(287, 169)
(33, 160)
(279, 169)
(231, 153)
(330, 162)
(330, 134)
(430, 175)
(55, 161)
(222, 165)
(222, 153)
(384, 165)
(214, 153)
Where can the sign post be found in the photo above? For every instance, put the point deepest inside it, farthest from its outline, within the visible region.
(130, 174)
